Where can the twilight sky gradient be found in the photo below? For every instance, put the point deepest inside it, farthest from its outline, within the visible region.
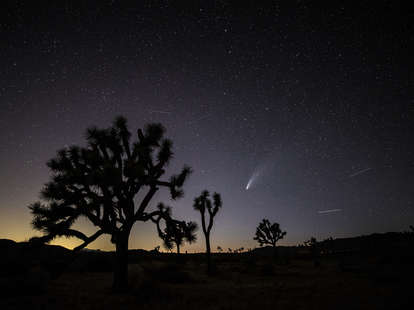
(313, 105)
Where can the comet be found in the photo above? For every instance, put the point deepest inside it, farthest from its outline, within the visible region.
(261, 170)
(252, 180)
(248, 184)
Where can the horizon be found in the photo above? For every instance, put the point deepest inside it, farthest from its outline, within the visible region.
(194, 250)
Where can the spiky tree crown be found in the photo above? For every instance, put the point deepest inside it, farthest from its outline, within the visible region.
(203, 203)
(267, 233)
(101, 180)
(174, 231)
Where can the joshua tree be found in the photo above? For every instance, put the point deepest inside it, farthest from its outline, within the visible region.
(201, 204)
(313, 244)
(175, 233)
(101, 182)
(328, 245)
(267, 233)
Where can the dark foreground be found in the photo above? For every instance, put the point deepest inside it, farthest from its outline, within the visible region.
(351, 280)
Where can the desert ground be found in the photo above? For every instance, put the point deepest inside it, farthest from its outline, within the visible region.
(240, 281)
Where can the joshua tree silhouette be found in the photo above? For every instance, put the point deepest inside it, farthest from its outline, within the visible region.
(101, 182)
(176, 232)
(267, 233)
(313, 244)
(201, 204)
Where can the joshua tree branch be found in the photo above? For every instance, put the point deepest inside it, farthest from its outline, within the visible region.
(89, 240)
(163, 183)
(145, 201)
(75, 233)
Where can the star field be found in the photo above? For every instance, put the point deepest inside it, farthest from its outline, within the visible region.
(304, 97)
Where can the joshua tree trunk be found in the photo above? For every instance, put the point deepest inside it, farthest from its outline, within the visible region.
(121, 262)
(208, 253)
(178, 248)
(275, 253)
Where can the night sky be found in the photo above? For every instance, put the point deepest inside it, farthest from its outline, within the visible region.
(298, 113)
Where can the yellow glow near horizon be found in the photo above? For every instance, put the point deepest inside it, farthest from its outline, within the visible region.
(16, 226)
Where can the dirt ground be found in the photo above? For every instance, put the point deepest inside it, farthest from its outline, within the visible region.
(237, 284)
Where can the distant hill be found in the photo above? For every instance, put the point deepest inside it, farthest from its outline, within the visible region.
(372, 242)
(376, 242)
(11, 251)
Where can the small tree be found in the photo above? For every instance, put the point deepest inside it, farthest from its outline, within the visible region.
(327, 246)
(269, 234)
(201, 204)
(219, 249)
(176, 233)
(101, 182)
(313, 244)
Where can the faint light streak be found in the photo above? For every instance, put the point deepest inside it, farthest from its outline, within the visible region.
(329, 211)
(160, 112)
(359, 172)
